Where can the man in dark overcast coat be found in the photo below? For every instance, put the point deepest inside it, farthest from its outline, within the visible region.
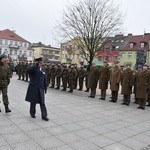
(37, 89)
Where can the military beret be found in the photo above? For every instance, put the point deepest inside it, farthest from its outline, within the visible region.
(38, 59)
(2, 56)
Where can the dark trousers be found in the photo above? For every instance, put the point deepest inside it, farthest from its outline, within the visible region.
(33, 109)
(81, 79)
(93, 92)
(126, 99)
(4, 95)
(114, 96)
(103, 94)
(142, 102)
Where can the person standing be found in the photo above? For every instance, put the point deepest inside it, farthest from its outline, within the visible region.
(103, 79)
(127, 83)
(81, 75)
(72, 78)
(37, 89)
(115, 78)
(93, 79)
(58, 76)
(4, 81)
(143, 83)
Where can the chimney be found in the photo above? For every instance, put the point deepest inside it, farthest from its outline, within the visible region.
(119, 35)
(130, 34)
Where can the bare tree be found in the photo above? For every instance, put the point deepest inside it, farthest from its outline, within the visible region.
(89, 23)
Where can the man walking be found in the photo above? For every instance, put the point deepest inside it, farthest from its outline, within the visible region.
(37, 89)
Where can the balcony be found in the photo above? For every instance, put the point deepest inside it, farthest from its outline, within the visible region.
(14, 46)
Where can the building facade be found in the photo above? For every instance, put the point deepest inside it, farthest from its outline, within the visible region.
(49, 54)
(15, 47)
(71, 54)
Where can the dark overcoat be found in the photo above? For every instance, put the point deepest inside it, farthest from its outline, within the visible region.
(143, 83)
(37, 86)
(104, 77)
(115, 78)
(127, 82)
(93, 77)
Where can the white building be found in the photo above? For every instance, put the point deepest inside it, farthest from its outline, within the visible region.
(15, 47)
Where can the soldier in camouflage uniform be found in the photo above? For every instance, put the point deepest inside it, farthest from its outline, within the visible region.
(47, 72)
(81, 75)
(72, 78)
(23, 70)
(4, 81)
(64, 77)
(19, 70)
(26, 74)
(58, 76)
(53, 74)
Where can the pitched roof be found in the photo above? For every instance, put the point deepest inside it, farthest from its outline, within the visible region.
(11, 35)
(137, 40)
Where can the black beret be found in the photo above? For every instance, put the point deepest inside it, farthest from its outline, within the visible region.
(38, 59)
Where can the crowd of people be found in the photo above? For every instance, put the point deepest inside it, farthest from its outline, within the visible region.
(131, 81)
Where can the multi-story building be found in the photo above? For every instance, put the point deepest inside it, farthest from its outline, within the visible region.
(49, 54)
(14, 46)
(71, 53)
(136, 51)
(110, 50)
(130, 49)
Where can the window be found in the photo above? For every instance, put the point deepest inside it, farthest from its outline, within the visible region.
(24, 53)
(20, 53)
(115, 58)
(57, 57)
(15, 52)
(25, 44)
(142, 45)
(11, 42)
(99, 58)
(16, 43)
(107, 58)
(0, 50)
(131, 45)
(30, 53)
(6, 42)
(10, 52)
(1, 42)
(129, 55)
(122, 55)
(107, 48)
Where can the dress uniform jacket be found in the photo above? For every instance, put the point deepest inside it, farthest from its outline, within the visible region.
(37, 86)
(104, 78)
(127, 82)
(143, 83)
(115, 78)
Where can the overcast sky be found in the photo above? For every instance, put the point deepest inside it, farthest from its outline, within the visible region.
(35, 20)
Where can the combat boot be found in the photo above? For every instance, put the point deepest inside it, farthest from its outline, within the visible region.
(7, 110)
(0, 110)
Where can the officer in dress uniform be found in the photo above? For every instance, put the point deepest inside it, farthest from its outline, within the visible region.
(37, 89)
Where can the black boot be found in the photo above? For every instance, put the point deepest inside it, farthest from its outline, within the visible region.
(0, 110)
(7, 110)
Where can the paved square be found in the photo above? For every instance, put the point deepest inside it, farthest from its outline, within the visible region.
(76, 123)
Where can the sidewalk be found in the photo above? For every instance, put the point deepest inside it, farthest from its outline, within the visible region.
(76, 123)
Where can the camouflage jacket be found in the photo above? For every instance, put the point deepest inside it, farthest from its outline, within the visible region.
(4, 75)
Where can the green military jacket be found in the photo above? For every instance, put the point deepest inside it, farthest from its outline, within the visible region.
(4, 75)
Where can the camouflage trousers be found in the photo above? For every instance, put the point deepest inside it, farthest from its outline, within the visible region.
(3, 90)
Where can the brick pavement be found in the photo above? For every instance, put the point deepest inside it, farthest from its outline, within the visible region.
(76, 123)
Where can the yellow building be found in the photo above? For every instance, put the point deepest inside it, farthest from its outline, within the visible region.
(71, 53)
(49, 54)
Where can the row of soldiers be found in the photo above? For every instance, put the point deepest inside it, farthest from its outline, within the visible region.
(130, 81)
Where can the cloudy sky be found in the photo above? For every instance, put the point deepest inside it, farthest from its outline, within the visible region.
(35, 20)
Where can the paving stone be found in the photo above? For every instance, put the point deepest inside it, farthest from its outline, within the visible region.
(5, 147)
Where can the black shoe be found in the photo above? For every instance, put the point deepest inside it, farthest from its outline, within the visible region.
(139, 107)
(0, 110)
(52, 87)
(123, 104)
(70, 91)
(7, 110)
(102, 98)
(86, 91)
(91, 96)
(45, 118)
(57, 88)
(63, 90)
(143, 108)
(79, 89)
(111, 101)
(33, 116)
(148, 105)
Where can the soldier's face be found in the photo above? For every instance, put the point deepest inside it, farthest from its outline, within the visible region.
(3, 60)
(145, 67)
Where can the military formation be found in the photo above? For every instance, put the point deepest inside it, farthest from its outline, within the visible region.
(129, 81)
